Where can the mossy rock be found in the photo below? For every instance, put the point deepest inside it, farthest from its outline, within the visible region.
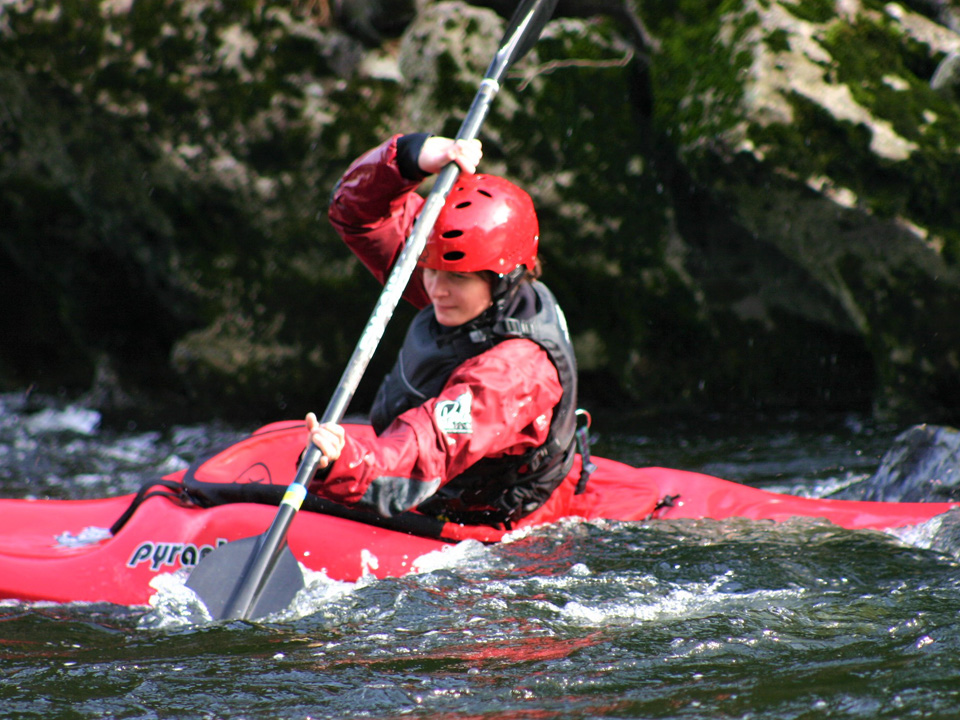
(753, 210)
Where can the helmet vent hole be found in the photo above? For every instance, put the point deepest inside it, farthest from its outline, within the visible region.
(450, 234)
(465, 203)
(453, 256)
(484, 192)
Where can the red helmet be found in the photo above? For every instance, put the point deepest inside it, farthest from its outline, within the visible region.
(487, 223)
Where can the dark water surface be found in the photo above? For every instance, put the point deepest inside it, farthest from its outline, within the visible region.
(682, 619)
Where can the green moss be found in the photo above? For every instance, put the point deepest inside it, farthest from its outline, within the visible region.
(815, 11)
(264, 277)
(663, 14)
(816, 144)
(879, 66)
(698, 87)
(920, 372)
(452, 86)
(778, 40)
(867, 56)
(587, 119)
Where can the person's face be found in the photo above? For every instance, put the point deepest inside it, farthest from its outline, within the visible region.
(457, 297)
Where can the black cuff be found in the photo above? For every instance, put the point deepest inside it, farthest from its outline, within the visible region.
(408, 152)
(320, 474)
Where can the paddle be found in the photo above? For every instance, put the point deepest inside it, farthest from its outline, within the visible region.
(257, 576)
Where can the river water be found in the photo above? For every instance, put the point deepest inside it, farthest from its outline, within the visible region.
(668, 619)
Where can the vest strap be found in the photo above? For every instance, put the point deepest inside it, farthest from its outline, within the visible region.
(587, 466)
(513, 327)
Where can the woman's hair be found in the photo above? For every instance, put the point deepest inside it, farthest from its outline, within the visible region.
(536, 271)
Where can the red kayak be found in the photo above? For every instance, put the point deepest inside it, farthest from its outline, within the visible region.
(109, 550)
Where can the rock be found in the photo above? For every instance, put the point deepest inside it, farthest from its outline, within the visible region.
(798, 141)
(742, 205)
(373, 20)
(946, 78)
(923, 465)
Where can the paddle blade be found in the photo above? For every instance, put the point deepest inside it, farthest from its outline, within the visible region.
(219, 576)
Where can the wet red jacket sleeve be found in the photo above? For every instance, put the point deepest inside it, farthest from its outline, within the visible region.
(497, 403)
(373, 209)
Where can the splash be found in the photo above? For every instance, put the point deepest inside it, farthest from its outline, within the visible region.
(90, 535)
(71, 419)
(940, 534)
(318, 591)
(465, 553)
(691, 600)
(174, 605)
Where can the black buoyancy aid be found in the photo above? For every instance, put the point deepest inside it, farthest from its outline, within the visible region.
(494, 490)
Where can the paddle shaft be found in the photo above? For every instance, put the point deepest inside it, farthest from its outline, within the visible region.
(522, 32)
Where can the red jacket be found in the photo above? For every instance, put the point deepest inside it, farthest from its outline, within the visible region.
(514, 386)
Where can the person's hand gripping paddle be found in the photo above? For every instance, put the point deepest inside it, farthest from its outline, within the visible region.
(258, 576)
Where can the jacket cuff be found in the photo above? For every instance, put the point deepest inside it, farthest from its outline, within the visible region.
(408, 154)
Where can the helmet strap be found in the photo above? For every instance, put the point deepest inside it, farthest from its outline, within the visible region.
(506, 285)
(505, 288)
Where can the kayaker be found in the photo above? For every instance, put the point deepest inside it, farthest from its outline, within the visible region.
(476, 421)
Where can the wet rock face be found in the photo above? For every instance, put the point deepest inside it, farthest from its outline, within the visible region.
(742, 204)
(821, 140)
(923, 465)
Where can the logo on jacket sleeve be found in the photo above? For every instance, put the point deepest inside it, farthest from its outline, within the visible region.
(453, 416)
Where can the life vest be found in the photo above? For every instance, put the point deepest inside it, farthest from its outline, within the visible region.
(494, 490)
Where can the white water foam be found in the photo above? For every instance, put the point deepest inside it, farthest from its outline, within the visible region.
(452, 556)
(921, 535)
(90, 535)
(940, 533)
(174, 605)
(694, 600)
(318, 590)
(71, 419)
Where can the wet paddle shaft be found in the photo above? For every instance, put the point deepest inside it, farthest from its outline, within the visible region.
(257, 576)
